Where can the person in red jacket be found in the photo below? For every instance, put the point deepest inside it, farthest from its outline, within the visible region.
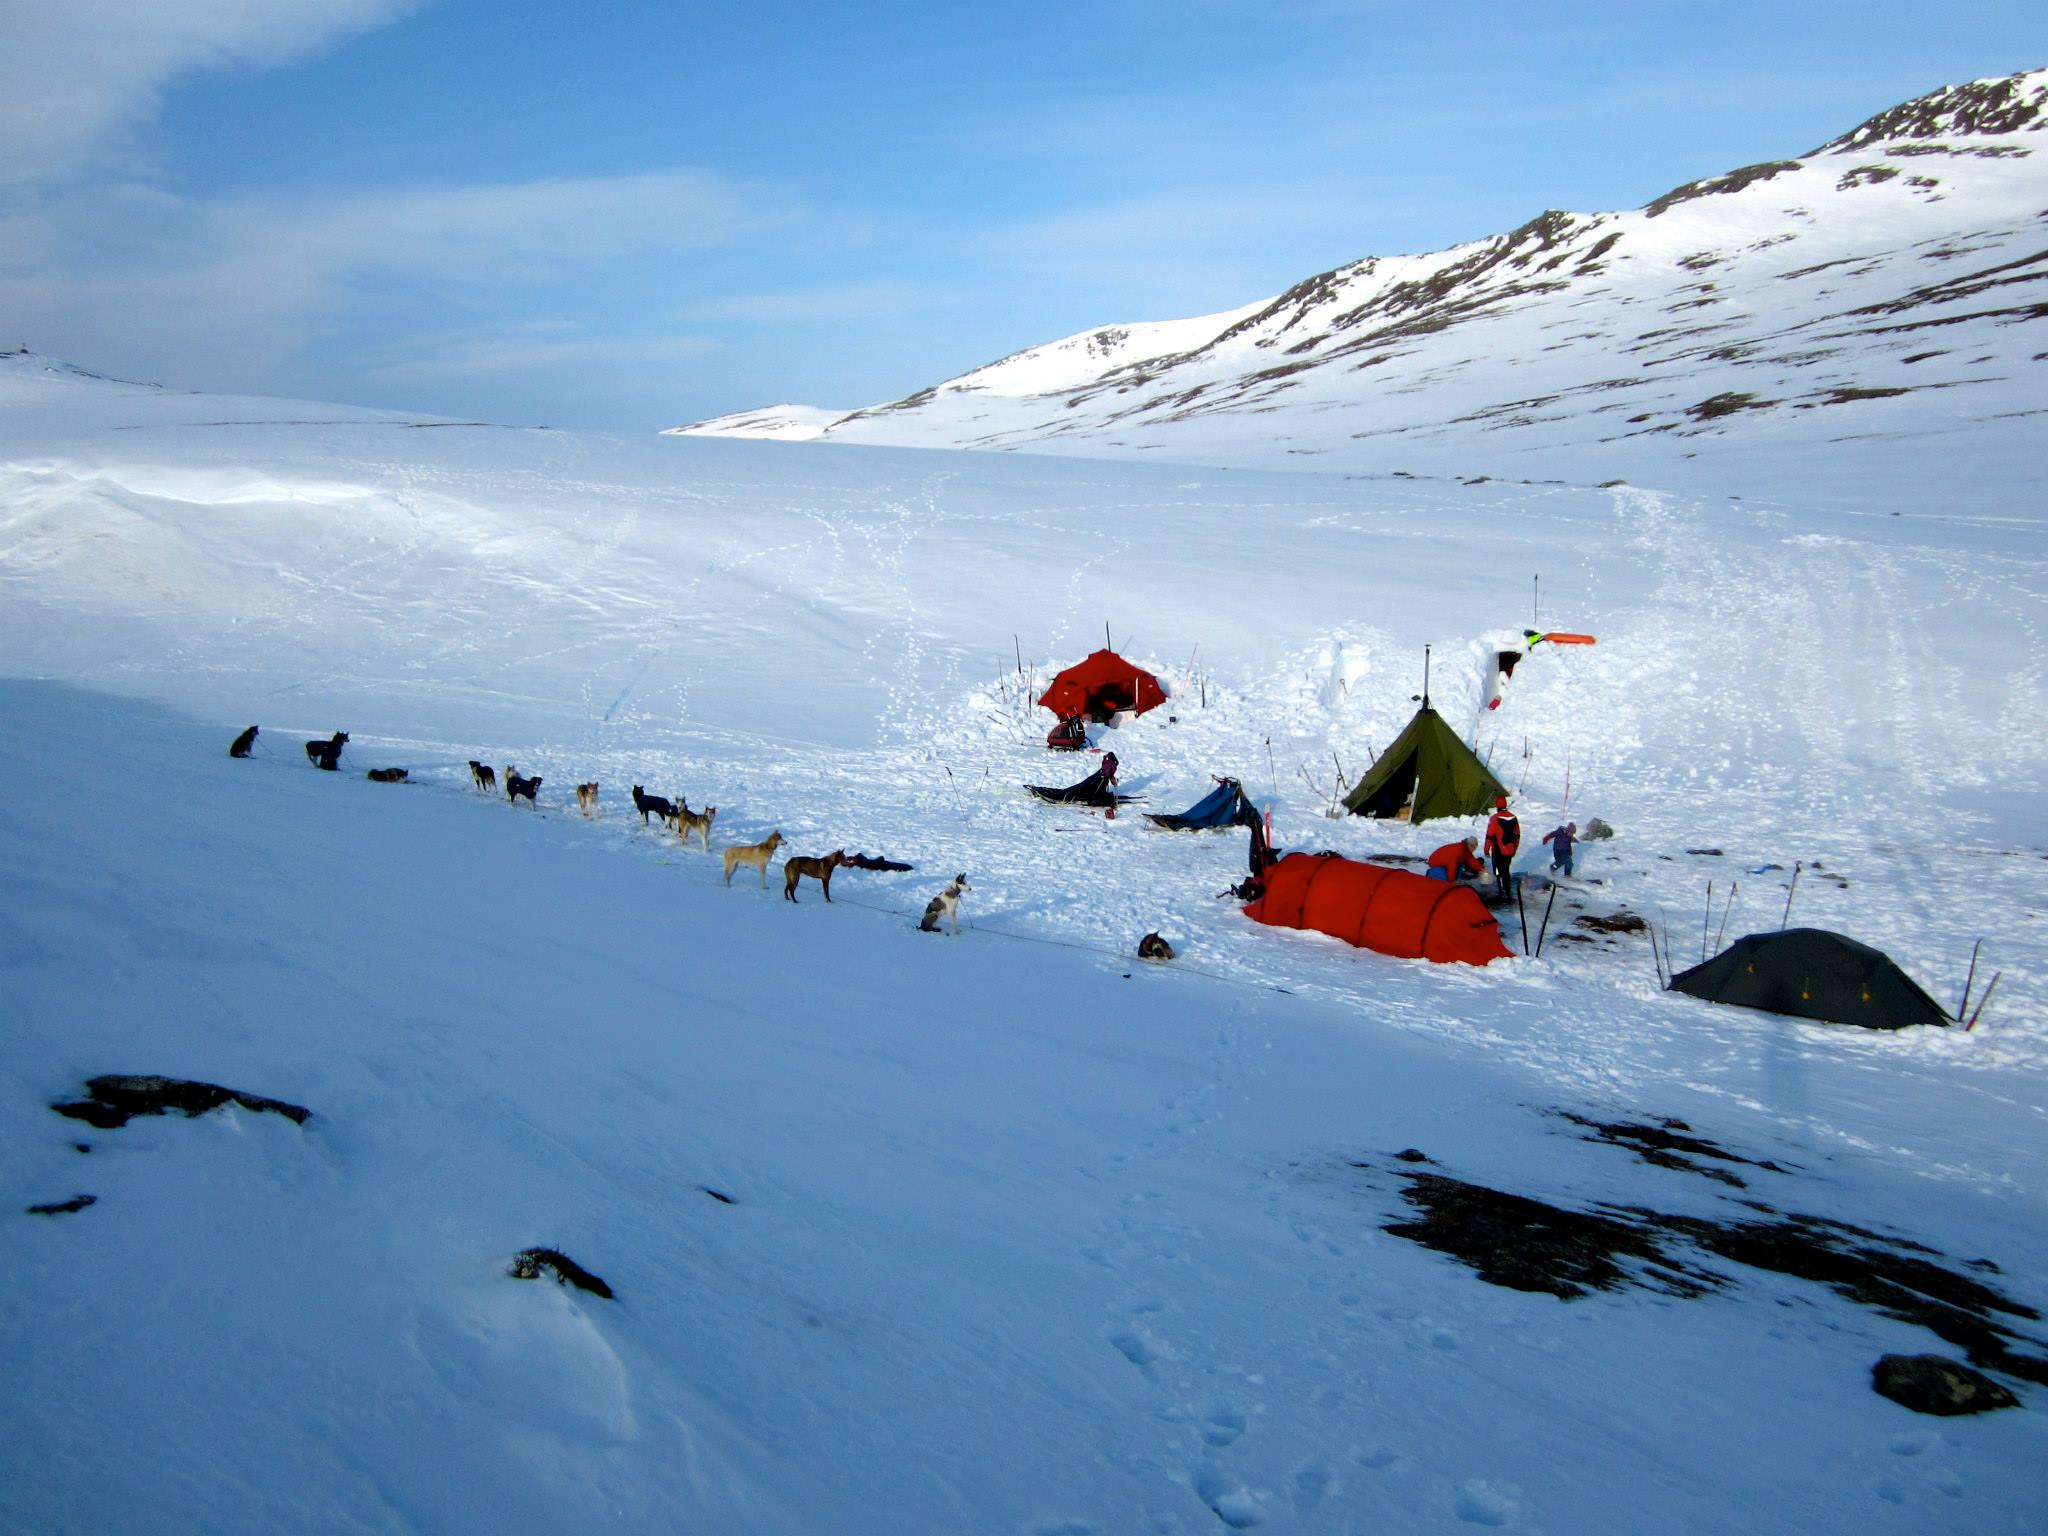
(1503, 842)
(1454, 862)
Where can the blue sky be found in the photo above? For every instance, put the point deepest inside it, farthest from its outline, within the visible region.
(632, 214)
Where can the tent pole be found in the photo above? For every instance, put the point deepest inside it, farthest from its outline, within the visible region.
(1706, 917)
(1535, 597)
(1425, 677)
(1970, 981)
(1524, 911)
(1790, 891)
(1545, 928)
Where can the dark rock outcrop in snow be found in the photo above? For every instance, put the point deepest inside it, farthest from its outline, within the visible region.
(115, 1100)
(64, 1207)
(1938, 1385)
(1527, 1244)
(530, 1262)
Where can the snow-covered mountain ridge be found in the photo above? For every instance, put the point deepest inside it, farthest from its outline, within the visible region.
(1885, 285)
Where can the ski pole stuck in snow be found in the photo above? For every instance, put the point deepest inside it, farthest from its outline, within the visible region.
(1982, 1002)
(1722, 932)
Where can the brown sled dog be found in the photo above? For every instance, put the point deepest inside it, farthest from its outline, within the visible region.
(756, 854)
(387, 775)
(699, 822)
(1153, 947)
(586, 798)
(819, 870)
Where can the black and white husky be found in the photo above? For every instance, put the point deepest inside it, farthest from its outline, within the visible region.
(945, 906)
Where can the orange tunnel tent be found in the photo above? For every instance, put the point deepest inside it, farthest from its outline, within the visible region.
(1389, 910)
(1099, 685)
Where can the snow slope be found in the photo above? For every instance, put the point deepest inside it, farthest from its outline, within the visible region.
(1025, 1237)
(1886, 288)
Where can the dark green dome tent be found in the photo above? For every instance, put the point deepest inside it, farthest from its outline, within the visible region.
(1810, 973)
(1430, 765)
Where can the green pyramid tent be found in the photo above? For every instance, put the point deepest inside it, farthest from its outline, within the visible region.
(1429, 764)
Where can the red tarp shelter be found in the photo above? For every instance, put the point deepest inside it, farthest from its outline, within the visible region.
(1374, 907)
(1100, 685)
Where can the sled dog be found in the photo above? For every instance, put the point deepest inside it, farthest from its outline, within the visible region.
(326, 754)
(644, 803)
(756, 854)
(699, 822)
(945, 906)
(819, 870)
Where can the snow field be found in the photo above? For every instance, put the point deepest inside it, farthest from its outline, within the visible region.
(1020, 1243)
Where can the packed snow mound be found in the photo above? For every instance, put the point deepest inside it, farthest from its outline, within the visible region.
(1886, 286)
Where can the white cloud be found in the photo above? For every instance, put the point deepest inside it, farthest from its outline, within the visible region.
(479, 356)
(75, 74)
(847, 301)
(132, 278)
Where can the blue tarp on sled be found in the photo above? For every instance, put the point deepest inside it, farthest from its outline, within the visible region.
(1224, 806)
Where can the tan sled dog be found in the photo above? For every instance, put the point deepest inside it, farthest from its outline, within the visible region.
(756, 854)
(586, 798)
(688, 821)
(819, 870)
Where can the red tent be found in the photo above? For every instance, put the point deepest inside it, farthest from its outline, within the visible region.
(1100, 685)
(1389, 910)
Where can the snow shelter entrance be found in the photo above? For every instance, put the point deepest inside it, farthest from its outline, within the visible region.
(1100, 686)
(1429, 769)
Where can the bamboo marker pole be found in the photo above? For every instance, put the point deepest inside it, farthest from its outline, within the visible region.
(1706, 917)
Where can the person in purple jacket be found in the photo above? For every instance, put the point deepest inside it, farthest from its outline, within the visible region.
(1560, 840)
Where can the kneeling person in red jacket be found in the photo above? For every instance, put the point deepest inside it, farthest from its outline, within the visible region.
(1454, 862)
